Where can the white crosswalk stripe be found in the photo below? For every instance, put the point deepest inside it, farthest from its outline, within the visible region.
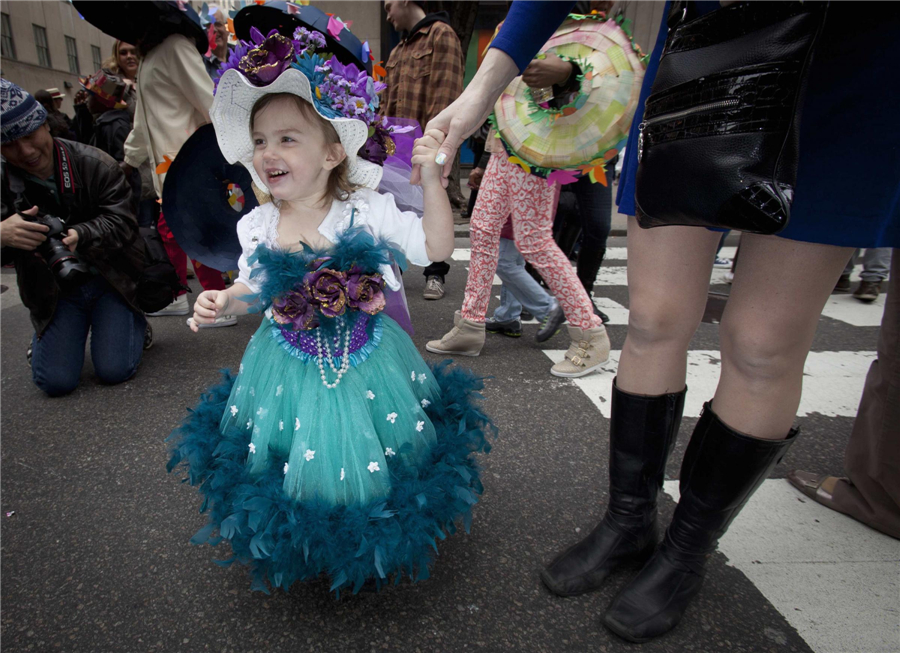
(850, 310)
(612, 253)
(832, 381)
(844, 308)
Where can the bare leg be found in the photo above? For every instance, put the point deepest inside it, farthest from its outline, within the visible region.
(767, 329)
(668, 282)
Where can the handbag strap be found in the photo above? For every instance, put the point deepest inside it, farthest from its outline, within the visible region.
(678, 13)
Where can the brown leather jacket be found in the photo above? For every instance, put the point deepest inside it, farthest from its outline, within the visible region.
(100, 212)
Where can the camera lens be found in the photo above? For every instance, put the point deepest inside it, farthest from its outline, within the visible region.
(67, 267)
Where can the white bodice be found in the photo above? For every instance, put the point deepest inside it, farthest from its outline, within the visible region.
(376, 212)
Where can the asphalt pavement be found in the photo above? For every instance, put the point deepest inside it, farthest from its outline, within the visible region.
(95, 551)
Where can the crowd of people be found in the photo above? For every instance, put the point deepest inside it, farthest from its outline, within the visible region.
(321, 258)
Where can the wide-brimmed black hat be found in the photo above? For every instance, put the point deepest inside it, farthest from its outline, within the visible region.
(129, 20)
(204, 197)
(276, 15)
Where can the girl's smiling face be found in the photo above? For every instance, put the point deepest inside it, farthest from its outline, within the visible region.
(290, 153)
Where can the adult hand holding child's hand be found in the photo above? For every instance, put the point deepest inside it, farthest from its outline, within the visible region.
(424, 153)
(209, 305)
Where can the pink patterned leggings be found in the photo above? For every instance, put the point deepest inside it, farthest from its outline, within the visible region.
(507, 190)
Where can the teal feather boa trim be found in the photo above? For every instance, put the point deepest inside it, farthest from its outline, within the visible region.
(283, 541)
(355, 247)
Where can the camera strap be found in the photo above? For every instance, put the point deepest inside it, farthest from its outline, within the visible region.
(65, 176)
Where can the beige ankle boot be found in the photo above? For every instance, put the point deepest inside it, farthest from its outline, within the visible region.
(588, 351)
(466, 338)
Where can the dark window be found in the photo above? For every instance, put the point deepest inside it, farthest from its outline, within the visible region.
(72, 53)
(97, 57)
(9, 47)
(40, 42)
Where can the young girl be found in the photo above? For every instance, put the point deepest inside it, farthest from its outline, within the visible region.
(335, 448)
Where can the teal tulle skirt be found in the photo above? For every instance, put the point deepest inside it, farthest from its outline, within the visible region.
(357, 482)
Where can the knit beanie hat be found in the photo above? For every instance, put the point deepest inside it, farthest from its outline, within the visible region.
(20, 113)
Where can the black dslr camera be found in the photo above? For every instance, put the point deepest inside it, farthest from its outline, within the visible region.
(68, 267)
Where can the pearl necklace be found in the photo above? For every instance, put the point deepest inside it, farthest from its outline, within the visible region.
(323, 350)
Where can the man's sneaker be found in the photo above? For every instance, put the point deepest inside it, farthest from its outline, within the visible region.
(511, 328)
(588, 351)
(526, 316)
(722, 262)
(28, 353)
(221, 321)
(178, 307)
(843, 284)
(434, 288)
(867, 291)
(551, 324)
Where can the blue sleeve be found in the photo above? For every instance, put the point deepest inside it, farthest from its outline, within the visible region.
(625, 195)
(528, 26)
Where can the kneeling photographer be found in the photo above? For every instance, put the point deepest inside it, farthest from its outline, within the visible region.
(68, 225)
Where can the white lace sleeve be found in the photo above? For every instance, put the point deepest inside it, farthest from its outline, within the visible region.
(402, 228)
(251, 230)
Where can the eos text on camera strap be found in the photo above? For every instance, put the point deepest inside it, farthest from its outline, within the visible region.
(65, 176)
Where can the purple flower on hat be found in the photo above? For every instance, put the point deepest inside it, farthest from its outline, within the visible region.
(365, 292)
(309, 40)
(357, 78)
(294, 310)
(327, 289)
(234, 59)
(271, 57)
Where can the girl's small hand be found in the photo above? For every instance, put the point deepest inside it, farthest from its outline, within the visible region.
(210, 304)
(424, 153)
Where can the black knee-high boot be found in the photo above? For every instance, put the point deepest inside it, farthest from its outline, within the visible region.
(642, 432)
(721, 470)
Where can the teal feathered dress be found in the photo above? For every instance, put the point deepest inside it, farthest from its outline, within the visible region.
(335, 449)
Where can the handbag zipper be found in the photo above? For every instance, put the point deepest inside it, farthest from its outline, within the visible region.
(675, 115)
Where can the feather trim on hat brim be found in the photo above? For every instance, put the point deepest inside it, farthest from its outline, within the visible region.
(230, 114)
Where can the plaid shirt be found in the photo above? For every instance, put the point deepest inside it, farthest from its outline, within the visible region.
(424, 74)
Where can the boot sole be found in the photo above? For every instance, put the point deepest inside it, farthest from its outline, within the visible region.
(585, 372)
(508, 334)
(451, 353)
(622, 631)
(634, 563)
(553, 590)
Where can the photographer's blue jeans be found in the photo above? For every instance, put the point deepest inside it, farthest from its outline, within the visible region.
(117, 339)
(519, 288)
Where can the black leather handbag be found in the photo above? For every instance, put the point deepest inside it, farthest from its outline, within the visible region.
(718, 144)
